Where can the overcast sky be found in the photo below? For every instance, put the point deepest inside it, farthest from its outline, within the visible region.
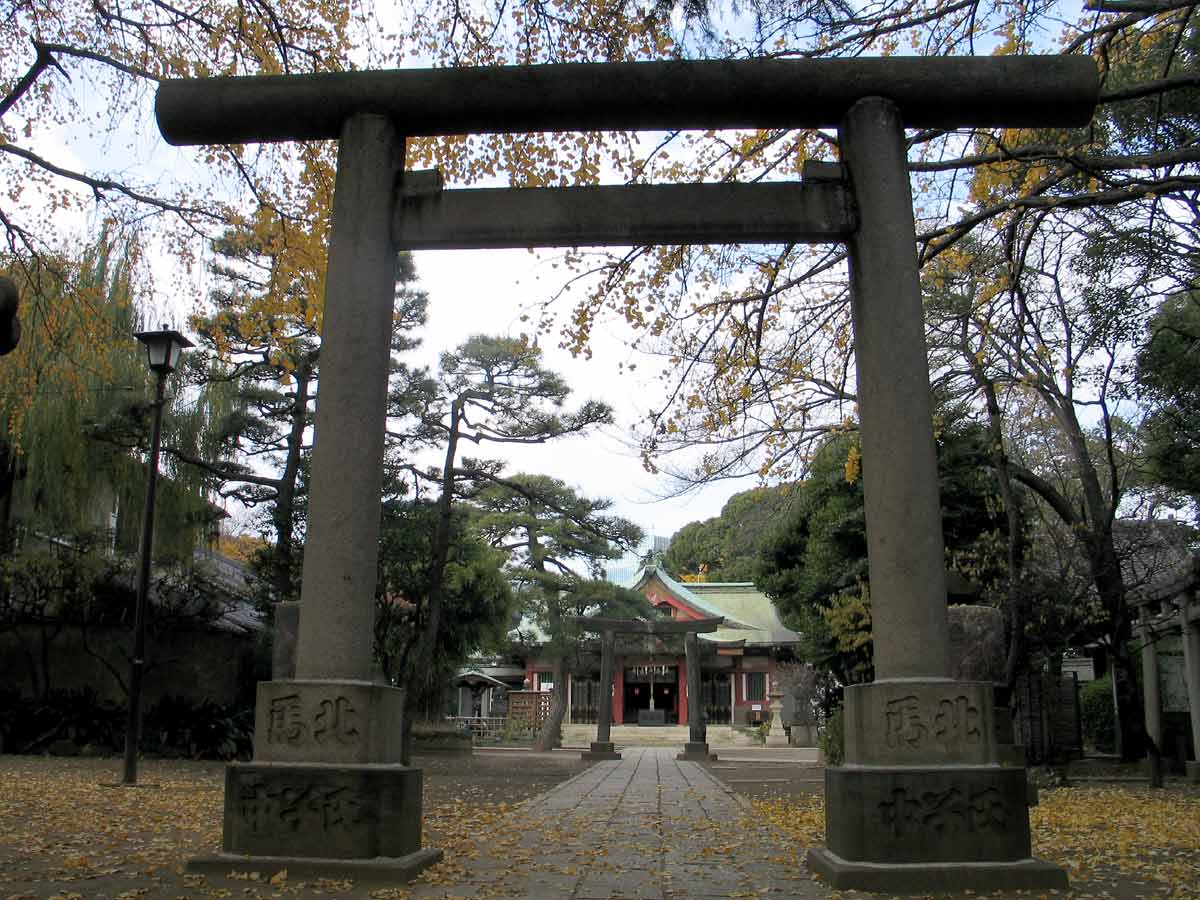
(486, 291)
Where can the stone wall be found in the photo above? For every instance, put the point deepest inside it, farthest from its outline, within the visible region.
(199, 664)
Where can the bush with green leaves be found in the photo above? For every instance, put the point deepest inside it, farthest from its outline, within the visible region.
(832, 740)
(30, 725)
(174, 726)
(1096, 711)
(178, 726)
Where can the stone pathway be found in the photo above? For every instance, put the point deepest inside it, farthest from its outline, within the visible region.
(647, 827)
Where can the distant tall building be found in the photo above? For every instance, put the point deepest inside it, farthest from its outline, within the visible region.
(622, 570)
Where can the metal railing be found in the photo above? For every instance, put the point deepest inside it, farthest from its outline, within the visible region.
(485, 728)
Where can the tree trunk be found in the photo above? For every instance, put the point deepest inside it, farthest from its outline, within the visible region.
(1130, 715)
(550, 736)
(1105, 568)
(1016, 603)
(283, 515)
(439, 553)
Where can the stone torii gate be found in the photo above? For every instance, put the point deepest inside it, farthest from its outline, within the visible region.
(923, 803)
(697, 745)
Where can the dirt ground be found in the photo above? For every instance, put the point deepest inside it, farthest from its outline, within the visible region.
(68, 833)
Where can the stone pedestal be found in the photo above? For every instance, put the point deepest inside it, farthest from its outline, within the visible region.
(923, 803)
(694, 751)
(351, 722)
(330, 811)
(326, 793)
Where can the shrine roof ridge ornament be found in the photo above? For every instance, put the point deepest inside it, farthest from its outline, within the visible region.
(931, 92)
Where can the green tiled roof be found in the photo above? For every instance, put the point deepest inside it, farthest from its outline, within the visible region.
(750, 615)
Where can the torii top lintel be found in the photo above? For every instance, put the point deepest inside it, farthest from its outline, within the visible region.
(931, 92)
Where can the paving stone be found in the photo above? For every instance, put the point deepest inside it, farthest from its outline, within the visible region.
(643, 828)
(718, 877)
(632, 884)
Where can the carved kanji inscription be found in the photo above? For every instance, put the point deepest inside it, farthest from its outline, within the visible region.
(910, 812)
(267, 809)
(951, 722)
(292, 721)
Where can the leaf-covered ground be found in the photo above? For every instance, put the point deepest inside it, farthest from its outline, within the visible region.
(67, 833)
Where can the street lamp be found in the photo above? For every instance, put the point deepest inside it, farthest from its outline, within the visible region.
(162, 354)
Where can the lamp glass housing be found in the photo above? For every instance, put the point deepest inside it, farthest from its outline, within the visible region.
(163, 348)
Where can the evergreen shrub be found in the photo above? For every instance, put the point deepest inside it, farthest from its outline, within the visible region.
(1096, 711)
(832, 740)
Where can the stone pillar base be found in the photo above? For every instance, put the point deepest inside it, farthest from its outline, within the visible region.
(382, 869)
(923, 803)
(601, 750)
(940, 828)
(935, 814)
(776, 740)
(935, 877)
(694, 751)
(361, 814)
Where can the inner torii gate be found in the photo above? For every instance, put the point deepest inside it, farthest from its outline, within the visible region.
(923, 803)
(697, 745)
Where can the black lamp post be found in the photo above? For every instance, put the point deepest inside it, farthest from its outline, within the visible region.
(162, 352)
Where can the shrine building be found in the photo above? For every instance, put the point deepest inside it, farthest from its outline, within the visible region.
(737, 660)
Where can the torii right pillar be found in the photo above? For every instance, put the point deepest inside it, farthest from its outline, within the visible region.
(921, 803)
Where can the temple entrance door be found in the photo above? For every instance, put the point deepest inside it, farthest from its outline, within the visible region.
(585, 699)
(714, 692)
(666, 698)
(652, 695)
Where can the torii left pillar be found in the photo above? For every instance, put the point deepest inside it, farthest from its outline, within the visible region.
(326, 793)
(696, 748)
(603, 747)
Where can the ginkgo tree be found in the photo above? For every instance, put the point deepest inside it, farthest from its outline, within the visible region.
(77, 133)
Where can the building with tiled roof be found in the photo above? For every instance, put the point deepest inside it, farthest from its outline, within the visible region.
(738, 660)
